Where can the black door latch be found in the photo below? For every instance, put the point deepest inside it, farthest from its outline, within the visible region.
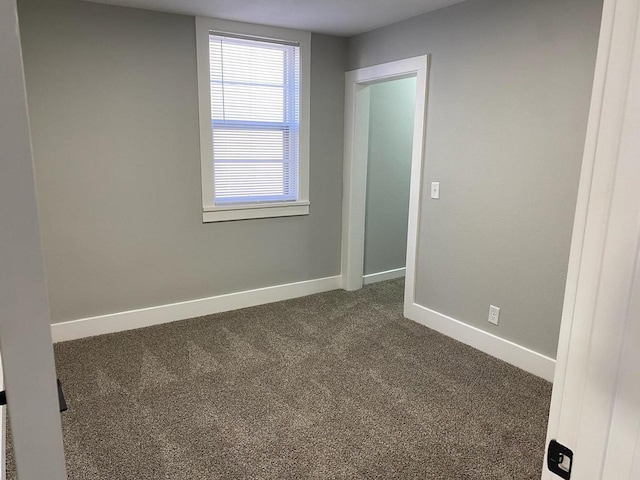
(61, 399)
(559, 459)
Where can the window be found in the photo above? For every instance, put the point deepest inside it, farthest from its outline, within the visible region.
(253, 90)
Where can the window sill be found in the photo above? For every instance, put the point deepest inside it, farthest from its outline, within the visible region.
(246, 212)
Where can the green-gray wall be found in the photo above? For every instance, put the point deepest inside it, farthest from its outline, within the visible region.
(114, 114)
(391, 115)
(509, 95)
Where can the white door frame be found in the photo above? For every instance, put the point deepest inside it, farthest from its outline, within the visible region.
(356, 146)
(25, 323)
(595, 407)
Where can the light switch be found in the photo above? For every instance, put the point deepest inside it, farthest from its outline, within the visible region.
(435, 190)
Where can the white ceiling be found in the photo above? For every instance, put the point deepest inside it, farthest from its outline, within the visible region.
(336, 17)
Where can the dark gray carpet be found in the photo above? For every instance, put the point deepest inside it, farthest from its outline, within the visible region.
(335, 385)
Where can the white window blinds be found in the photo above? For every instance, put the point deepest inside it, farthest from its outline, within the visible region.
(255, 119)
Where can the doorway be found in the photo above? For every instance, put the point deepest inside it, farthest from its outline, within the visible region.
(391, 114)
(361, 84)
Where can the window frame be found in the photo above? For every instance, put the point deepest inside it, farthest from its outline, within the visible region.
(227, 212)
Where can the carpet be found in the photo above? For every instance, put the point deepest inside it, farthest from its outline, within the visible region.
(336, 385)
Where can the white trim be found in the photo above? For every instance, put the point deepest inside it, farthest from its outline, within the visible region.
(211, 213)
(145, 317)
(356, 148)
(25, 337)
(357, 98)
(625, 420)
(382, 276)
(255, 206)
(259, 211)
(512, 353)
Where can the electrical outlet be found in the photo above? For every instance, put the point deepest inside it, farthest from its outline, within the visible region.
(494, 314)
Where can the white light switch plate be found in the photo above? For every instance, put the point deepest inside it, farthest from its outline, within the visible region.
(435, 190)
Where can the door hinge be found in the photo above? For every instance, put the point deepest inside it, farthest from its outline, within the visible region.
(559, 459)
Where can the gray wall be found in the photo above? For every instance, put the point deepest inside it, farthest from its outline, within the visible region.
(509, 95)
(114, 116)
(113, 107)
(391, 115)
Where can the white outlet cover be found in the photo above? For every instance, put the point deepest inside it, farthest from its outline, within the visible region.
(494, 314)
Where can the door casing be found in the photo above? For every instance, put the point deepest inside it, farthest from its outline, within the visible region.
(357, 100)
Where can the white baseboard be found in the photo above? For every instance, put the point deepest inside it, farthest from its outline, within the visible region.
(517, 355)
(382, 276)
(145, 317)
(510, 352)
